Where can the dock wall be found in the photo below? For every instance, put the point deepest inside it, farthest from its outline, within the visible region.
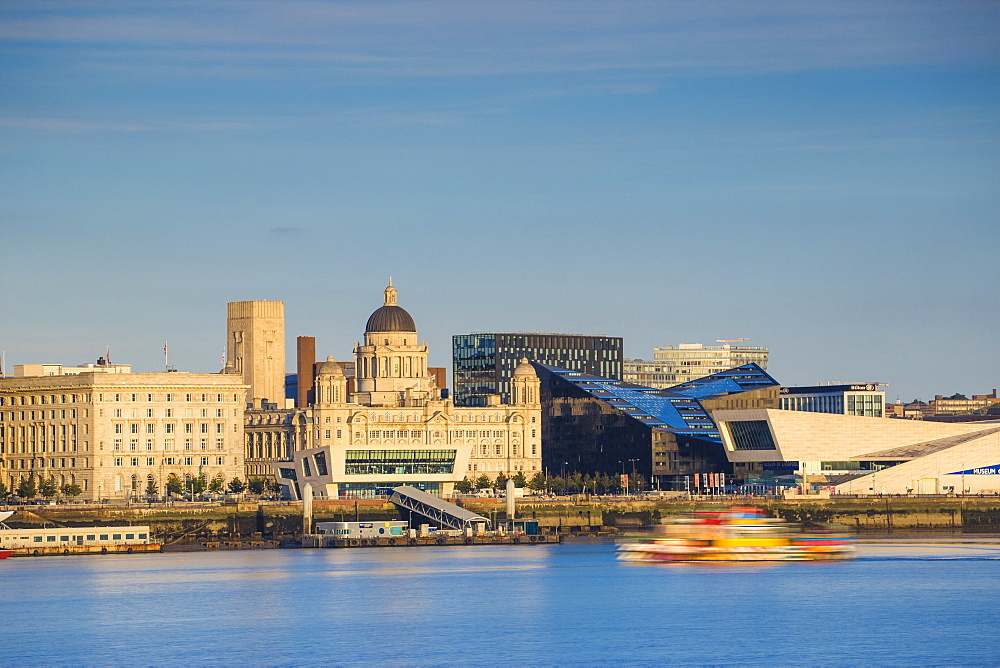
(282, 522)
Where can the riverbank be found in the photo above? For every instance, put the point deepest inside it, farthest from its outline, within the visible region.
(281, 522)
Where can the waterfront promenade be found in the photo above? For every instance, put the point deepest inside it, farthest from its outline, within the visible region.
(282, 521)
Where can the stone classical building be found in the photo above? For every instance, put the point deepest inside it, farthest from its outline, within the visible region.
(117, 434)
(396, 428)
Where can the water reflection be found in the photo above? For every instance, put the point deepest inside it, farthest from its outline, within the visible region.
(480, 605)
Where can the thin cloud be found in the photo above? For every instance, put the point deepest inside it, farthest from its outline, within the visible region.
(87, 125)
(436, 39)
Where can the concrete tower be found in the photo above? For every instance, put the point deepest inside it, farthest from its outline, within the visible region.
(256, 348)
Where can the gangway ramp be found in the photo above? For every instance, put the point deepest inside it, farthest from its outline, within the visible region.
(447, 515)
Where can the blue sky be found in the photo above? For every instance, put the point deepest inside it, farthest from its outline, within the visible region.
(822, 178)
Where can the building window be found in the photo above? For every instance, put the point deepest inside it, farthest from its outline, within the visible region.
(750, 435)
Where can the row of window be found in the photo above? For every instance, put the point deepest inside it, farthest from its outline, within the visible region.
(53, 414)
(27, 400)
(32, 446)
(54, 463)
(167, 461)
(24, 400)
(169, 396)
(167, 412)
(168, 444)
(169, 427)
(103, 536)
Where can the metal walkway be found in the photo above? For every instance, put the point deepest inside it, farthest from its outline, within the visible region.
(447, 515)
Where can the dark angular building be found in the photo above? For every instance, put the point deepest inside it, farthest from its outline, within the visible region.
(484, 363)
(599, 424)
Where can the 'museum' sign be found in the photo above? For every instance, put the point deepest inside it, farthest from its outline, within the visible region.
(983, 470)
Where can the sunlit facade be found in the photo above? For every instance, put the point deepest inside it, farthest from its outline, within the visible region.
(396, 427)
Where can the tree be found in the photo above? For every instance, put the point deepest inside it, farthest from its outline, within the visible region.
(217, 485)
(48, 487)
(199, 484)
(558, 484)
(483, 482)
(174, 484)
(4, 492)
(237, 486)
(71, 490)
(958, 396)
(464, 485)
(520, 480)
(501, 481)
(638, 482)
(151, 487)
(255, 485)
(273, 488)
(26, 488)
(537, 482)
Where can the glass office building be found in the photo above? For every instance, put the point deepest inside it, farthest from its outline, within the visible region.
(598, 424)
(484, 363)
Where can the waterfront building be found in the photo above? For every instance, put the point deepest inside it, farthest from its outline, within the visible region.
(484, 363)
(863, 455)
(597, 424)
(395, 427)
(118, 435)
(862, 399)
(674, 365)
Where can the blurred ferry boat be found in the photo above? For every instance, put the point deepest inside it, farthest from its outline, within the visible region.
(737, 534)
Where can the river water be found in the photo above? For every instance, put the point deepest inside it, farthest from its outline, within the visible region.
(570, 604)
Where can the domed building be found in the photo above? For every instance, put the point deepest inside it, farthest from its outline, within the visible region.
(395, 427)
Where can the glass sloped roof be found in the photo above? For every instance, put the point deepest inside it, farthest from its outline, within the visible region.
(677, 409)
